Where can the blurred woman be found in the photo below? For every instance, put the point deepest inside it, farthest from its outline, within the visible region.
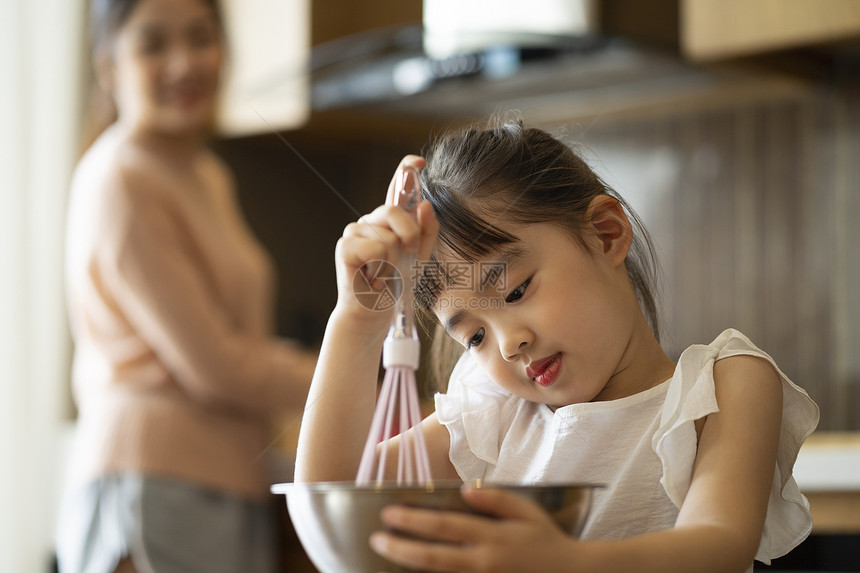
(177, 375)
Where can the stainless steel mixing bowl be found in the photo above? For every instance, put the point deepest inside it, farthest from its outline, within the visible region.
(335, 519)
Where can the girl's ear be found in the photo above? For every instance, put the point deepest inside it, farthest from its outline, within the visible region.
(611, 227)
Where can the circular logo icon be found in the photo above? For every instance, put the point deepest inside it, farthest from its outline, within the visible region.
(377, 286)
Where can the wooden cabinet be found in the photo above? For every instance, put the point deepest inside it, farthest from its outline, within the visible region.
(334, 19)
(721, 28)
(268, 82)
(706, 30)
(266, 86)
(828, 472)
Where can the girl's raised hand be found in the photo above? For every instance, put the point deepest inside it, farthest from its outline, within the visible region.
(370, 248)
(523, 538)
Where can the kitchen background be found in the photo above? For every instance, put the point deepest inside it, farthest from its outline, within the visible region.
(732, 127)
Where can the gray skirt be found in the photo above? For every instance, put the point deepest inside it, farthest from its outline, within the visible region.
(165, 526)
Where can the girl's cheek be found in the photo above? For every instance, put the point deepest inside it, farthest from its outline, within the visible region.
(498, 369)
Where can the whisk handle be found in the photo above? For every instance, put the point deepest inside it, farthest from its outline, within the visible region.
(401, 352)
(407, 189)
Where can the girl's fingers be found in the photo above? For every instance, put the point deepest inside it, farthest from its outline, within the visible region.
(434, 540)
(503, 504)
(382, 236)
(461, 526)
(419, 555)
(358, 253)
(436, 525)
(401, 223)
(362, 243)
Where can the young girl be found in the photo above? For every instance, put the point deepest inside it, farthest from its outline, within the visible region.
(562, 380)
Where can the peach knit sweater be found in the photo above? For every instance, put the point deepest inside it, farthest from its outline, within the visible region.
(176, 372)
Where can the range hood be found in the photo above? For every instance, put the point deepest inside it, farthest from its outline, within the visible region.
(454, 27)
(457, 40)
(593, 58)
(551, 79)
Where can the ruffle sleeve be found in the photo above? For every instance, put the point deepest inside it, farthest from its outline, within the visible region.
(691, 396)
(471, 410)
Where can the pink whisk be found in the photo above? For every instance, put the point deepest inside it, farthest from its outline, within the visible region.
(401, 352)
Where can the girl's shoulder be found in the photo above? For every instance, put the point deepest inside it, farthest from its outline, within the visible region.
(696, 364)
(692, 397)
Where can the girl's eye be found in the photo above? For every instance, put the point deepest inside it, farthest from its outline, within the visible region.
(475, 340)
(518, 292)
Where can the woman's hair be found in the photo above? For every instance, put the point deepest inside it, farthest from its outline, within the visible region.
(506, 172)
(107, 17)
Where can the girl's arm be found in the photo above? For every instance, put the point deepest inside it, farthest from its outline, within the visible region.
(343, 392)
(720, 524)
(718, 529)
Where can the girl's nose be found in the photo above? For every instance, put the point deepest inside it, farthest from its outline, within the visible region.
(513, 340)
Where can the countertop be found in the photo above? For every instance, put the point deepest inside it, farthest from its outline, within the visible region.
(828, 472)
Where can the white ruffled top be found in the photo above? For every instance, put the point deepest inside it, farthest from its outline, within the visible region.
(641, 447)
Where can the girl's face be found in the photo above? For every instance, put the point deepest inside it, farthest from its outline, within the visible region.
(559, 331)
(166, 65)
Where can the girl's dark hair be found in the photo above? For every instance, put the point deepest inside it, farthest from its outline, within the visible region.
(507, 172)
(106, 19)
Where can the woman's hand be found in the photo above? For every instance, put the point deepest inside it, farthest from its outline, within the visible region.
(524, 538)
(370, 248)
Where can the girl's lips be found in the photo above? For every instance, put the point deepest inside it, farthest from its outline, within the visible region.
(545, 371)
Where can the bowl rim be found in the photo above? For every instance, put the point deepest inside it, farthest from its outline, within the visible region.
(446, 485)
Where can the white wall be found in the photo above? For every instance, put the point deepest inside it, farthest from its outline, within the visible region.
(40, 70)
